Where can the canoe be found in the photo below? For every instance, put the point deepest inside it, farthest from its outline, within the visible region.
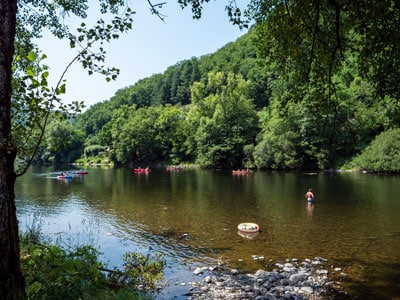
(141, 170)
(81, 172)
(64, 176)
(242, 172)
(175, 168)
(248, 227)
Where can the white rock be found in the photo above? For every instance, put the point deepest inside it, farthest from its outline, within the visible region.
(298, 277)
(198, 270)
(307, 289)
(260, 273)
(338, 269)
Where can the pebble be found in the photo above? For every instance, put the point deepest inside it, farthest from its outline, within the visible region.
(292, 279)
(198, 271)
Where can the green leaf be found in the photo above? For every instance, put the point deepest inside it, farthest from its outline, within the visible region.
(30, 71)
(45, 75)
(61, 89)
(32, 56)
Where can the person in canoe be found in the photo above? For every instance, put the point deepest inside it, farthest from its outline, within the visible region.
(310, 195)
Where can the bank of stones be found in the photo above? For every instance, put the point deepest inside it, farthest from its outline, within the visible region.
(292, 279)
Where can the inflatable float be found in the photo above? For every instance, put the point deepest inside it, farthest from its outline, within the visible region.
(248, 227)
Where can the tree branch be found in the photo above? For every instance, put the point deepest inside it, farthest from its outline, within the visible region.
(46, 118)
(154, 8)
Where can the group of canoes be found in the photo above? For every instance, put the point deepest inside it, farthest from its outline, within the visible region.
(148, 170)
(71, 174)
(242, 172)
(175, 168)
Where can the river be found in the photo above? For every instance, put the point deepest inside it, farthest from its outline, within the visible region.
(191, 217)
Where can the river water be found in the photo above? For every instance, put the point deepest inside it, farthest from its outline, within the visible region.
(191, 217)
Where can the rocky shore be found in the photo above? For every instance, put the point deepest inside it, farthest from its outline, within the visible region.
(292, 279)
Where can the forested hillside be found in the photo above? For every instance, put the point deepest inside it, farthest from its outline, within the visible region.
(233, 108)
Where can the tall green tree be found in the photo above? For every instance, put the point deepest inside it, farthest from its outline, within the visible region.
(279, 145)
(227, 120)
(134, 132)
(63, 143)
(173, 132)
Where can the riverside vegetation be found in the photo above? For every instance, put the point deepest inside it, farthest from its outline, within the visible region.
(53, 272)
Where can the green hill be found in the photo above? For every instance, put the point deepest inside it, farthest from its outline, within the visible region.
(237, 108)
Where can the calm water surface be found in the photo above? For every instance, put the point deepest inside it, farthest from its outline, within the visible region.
(191, 217)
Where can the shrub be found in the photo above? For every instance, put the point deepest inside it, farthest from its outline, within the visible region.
(383, 154)
(51, 272)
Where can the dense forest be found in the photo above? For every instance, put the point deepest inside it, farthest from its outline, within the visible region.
(236, 108)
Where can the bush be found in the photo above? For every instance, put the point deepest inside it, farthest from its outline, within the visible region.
(54, 273)
(383, 154)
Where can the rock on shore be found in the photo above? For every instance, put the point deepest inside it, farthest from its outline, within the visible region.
(289, 280)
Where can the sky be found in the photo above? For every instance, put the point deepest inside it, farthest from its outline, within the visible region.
(149, 48)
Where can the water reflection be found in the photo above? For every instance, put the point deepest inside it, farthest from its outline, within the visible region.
(310, 208)
(64, 180)
(248, 235)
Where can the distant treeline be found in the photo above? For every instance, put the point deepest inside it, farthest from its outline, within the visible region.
(231, 109)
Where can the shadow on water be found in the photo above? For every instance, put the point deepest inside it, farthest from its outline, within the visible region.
(372, 280)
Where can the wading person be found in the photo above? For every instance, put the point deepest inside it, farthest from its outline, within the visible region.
(310, 195)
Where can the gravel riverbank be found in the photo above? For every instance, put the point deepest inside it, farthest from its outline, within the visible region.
(292, 279)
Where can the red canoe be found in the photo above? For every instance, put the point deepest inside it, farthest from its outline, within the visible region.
(141, 170)
(81, 172)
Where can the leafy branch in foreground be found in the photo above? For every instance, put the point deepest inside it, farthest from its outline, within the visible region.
(33, 99)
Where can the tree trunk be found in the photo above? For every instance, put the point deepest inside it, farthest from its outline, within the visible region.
(12, 283)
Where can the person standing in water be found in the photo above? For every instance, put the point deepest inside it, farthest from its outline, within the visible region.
(310, 195)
